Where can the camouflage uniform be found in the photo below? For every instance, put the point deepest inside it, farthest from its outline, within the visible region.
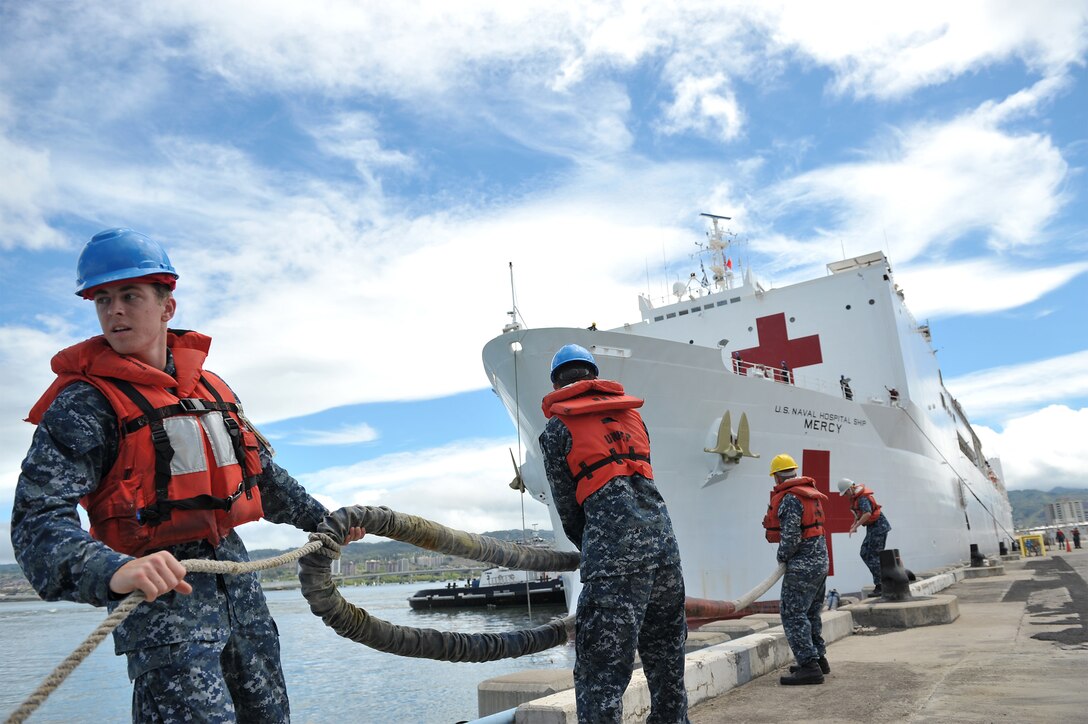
(211, 656)
(632, 589)
(803, 585)
(876, 535)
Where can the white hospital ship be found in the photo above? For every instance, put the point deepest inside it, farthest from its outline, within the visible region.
(860, 396)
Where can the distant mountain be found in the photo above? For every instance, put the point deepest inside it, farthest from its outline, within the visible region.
(1029, 506)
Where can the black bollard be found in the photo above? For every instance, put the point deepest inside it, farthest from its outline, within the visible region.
(894, 582)
(976, 557)
(1002, 548)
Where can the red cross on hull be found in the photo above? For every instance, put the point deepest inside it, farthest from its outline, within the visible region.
(838, 517)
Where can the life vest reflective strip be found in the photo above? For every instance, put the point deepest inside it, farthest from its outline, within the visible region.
(856, 507)
(607, 433)
(812, 509)
(157, 512)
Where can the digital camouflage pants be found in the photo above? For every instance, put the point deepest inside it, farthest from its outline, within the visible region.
(618, 615)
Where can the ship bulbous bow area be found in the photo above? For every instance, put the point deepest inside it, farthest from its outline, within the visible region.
(351, 622)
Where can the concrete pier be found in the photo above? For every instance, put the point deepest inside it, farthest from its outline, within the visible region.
(1018, 651)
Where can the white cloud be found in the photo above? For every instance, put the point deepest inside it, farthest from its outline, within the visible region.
(1011, 390)
(347, 435)
(24, 357)
(891, 50)
(463, 485)
(706, 105)
(931, 186)
(26, 193)
(978, 286)
(1042, 449)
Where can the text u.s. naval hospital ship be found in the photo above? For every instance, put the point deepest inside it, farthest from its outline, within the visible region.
(834, 371)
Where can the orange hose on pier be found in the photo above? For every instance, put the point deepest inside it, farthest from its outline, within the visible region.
(705, 608)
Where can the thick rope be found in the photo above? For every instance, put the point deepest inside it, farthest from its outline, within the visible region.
(357, 625)
(706, 608)
(130, 602)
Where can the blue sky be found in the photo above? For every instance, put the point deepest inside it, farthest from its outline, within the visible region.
(342, 187)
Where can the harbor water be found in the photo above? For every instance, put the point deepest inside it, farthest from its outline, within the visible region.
(329, 678)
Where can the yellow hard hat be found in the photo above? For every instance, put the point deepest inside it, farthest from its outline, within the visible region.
(782, 462)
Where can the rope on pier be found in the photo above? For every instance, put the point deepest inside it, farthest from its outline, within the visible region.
(357, 625)
(125, 607)
(706, 608)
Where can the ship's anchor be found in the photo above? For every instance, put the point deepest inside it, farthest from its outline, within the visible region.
(733, 447)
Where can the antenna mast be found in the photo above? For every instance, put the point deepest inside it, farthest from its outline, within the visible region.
(719, 241)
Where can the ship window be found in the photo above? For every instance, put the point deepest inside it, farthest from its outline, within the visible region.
(848, 306)
(734, 300)
(749, 329)
(670, 315)
(683, 312)
(658, 319)
(723, 302)
(872, 301)
(793, 319)
(708, 306)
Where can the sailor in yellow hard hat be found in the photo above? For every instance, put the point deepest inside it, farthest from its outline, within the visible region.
(795, 520)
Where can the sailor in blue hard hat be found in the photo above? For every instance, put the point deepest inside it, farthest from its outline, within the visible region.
(596, 454)
(158, 450)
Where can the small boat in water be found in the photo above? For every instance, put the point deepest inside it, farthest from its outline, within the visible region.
(496, 587)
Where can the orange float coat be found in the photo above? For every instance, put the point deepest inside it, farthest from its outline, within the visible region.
(188, 460)
(864, 492)
(812, 516)
(608, 436)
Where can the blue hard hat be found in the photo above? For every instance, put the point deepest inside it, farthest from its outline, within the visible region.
(117, 254)
(572, 353)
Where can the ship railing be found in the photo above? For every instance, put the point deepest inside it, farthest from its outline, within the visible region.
(781, 375)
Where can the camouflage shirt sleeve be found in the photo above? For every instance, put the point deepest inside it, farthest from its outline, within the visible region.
(789, 517)
(285, 500)
(555, 444)
(71, 451)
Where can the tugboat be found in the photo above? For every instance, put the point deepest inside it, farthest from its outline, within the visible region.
(496, 587)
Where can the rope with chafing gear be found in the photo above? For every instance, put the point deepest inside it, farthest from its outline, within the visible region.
(356, 624)
(359, 626)
(126, 606)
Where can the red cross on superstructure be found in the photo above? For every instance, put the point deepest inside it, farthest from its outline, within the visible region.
(838, 517)
(776, 346)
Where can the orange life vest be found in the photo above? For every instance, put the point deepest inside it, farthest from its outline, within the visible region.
(812, 508)
(608, 437)
(177, 476)
(866, 493)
